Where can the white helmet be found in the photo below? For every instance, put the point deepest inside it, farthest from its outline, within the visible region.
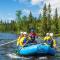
(51, 34)
(47, 34)
(24, 32)
(21, 32)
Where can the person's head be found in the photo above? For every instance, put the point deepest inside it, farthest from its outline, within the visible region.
(25, 34)
(21, 34)
(47, 34)
(32, 30)
(51, 35)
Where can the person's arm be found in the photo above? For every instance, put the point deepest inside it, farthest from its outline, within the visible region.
(25, 43)
(29, 38)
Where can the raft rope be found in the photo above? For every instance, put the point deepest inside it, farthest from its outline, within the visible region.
(7, 43)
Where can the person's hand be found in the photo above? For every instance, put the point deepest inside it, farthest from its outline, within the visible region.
(29, 38)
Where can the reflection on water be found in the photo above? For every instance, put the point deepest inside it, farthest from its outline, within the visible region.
(7, 50)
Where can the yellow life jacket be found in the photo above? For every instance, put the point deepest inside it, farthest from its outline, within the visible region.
(21, 41)
(47, 38)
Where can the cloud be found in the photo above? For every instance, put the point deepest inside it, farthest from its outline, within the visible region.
(35, 2)
(40, 11)
(54, 4)
(25, 11)
(8, 17)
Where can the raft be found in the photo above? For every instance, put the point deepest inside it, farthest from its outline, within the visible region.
(36, 50)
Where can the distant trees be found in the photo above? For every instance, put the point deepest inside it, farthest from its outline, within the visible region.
(56, 21)
(44, 21)
(18, 18)
(18, 15)
(43, 24)
(49, 18)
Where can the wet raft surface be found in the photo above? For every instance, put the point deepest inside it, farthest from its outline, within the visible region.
(8, 51)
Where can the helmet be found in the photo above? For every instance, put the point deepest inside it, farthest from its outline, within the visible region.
(24, 32)
(21, 32)
(51, 34)
(47, 34)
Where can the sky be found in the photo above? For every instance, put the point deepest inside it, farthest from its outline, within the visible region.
(8, 8)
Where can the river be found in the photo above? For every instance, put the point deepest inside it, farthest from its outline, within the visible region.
(7, 52)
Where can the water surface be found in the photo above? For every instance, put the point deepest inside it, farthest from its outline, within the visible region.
(10, 49)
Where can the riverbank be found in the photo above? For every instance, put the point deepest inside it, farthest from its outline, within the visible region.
(56, 35)
(17, 33)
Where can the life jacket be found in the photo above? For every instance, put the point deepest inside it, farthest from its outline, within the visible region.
(21, 41)
(50, 42)
(18, 39)
(47, 38)
(32, 35)
(53, 43)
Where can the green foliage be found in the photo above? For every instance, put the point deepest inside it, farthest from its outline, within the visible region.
(49, 18)
(56, 21)
(43, 24)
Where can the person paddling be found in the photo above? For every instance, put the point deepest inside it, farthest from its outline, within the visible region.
(53, 40)
(19, 37)
(49, 40)
(23, 39)
(32, 35)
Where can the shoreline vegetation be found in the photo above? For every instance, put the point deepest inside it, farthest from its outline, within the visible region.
(43, 24)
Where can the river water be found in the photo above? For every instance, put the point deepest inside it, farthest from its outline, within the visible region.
(7, 52)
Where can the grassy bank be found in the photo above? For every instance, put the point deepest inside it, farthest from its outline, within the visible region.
(57, 35)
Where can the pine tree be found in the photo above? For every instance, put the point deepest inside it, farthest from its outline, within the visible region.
(44, 22)
(18, 15)
(30, 18)
(49, 18)
(56, 21)
(18, 18)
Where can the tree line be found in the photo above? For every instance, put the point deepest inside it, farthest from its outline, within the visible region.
(43, 24)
